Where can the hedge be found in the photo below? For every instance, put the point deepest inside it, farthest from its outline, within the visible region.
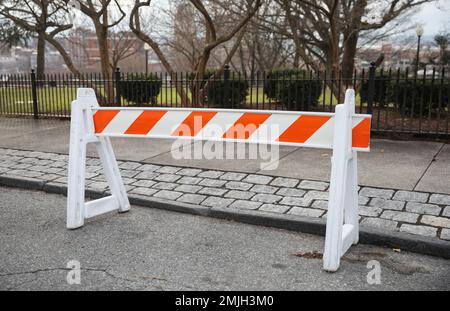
(140, 89)
(235, 96)
(215, 94)
(272, 80)
(411, 98)
(420, 99)
(380, 95)
(293, 89)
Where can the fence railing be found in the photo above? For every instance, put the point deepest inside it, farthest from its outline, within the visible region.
(399, 101)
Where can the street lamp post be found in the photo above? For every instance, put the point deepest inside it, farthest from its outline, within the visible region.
(146, 48)
(419, 33)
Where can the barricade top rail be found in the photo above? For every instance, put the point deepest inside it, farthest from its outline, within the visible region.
(260, 111)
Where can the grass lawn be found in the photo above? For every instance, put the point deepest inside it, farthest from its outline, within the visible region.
(56, 100)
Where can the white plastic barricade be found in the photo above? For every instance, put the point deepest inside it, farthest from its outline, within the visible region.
(343, 131)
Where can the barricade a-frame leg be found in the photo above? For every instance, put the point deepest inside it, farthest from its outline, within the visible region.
(342, 218)
(82, 133)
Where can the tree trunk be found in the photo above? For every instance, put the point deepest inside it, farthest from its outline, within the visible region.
(40, 57)
(332, 72)
(69, 63)
(102, 38)
(351, 36)
(242, 62)
(296, 59)
(348, 58)
(333, 53)
(198, 93)
(136, 29)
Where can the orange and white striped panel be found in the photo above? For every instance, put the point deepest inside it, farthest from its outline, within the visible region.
(267, 127)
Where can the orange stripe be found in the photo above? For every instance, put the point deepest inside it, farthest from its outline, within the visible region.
(361, 134)
(145, 122)
(102, 119)
(193, 123)
(302, 128)
(246, 125)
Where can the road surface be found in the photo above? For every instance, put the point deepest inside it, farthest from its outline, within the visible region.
(150, 249)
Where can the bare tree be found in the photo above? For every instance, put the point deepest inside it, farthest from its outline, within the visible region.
(264, 50)
(211, 40)
(263, 47)
(43, 17)
(49, 19)
(99, 12)
(124, 44)
(184, 41)
(326, 33)
(74, 40)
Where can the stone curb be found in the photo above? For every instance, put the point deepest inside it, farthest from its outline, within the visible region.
(400, 240)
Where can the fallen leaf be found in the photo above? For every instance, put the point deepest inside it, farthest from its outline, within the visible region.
(308, 255)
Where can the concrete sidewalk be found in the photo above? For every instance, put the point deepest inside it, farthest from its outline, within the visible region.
(262, 199)
(404, 165)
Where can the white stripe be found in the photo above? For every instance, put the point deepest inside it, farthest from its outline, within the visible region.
(169, 123)
(219, 124)
(356, 120)
(122, 121)
(273, 127)
(323, 136)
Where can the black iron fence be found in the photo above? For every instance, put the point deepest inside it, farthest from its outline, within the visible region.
(400, 101)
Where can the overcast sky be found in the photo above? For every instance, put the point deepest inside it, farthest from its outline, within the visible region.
(435, 16)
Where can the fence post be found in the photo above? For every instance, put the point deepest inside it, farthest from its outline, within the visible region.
(34, 95)
(117, 80)
(226, 85)
(371, 87)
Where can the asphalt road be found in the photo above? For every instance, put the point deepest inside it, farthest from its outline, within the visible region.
(150, 249)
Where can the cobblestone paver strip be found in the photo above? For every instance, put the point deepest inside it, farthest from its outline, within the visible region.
(420, 213)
